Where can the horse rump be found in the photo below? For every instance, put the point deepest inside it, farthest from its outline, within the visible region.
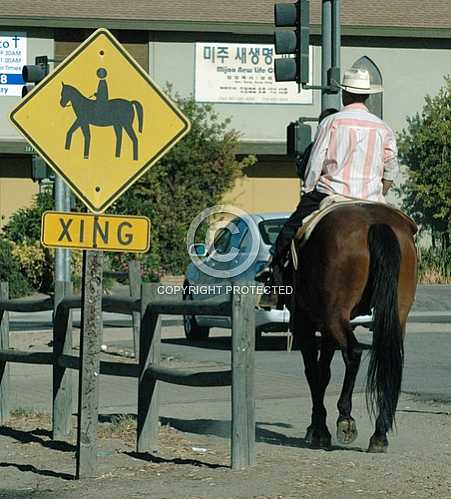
(387, 354)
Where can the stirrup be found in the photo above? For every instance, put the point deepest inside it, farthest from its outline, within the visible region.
(265, 274)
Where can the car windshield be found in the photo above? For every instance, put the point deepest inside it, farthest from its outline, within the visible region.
(269, 229)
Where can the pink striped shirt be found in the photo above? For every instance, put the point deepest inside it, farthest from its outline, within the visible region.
(353, 151)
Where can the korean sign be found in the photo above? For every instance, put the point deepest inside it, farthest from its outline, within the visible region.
(13, 55)
(243, 73)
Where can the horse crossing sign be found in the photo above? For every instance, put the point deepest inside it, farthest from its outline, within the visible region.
(99, 120)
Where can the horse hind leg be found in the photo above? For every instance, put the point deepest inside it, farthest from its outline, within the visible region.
(118, 132)
(131, 133)
(341, 330)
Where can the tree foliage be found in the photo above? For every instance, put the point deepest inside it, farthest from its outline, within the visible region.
(425, 147)
(194, 175)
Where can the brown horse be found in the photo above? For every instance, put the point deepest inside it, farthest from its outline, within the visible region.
(358, 258)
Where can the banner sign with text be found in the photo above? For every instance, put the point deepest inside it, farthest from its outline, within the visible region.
(13, 55)
(88, 231)
(243, 73)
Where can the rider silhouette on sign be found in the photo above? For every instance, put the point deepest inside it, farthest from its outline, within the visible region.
(102, 91)
(118, 113)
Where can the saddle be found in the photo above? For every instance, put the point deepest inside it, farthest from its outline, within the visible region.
(327, 205)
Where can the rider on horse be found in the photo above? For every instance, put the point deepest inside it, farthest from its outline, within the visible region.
(354, 154)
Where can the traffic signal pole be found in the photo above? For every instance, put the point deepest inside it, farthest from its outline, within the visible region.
(330, 52)
(293, 45)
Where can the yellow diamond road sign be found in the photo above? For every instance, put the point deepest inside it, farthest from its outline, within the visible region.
(99, 121)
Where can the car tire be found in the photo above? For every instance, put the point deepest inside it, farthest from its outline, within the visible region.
(192, 330)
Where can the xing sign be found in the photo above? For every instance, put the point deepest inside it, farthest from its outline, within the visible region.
(101, 232)
(99, 120)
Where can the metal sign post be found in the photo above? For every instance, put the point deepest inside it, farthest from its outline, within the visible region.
(88, 385)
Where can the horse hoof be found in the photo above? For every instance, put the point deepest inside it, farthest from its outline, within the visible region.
(309, 435)
(346, 431)
(378, 446)
(318, 438)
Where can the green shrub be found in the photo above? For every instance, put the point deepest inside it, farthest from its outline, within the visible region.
(10, 271)
(32, 261)
(24, 231)
(25, 223)
(149, 264)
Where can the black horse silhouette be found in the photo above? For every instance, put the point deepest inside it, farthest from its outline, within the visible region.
(118, 113)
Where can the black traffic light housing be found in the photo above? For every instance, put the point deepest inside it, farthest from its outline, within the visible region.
(34, 73)
(294, 15)
(40, 170)
(299, 137)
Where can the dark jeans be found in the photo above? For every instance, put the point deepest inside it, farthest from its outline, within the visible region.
(308, 204)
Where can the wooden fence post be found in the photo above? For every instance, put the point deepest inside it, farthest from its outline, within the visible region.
(134, 279)
(243, 367)
(4, 366)
(148, 386)
(63, 378)
(88, 384)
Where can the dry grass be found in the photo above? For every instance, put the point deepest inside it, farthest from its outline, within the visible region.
(30, 414)
(433, 275)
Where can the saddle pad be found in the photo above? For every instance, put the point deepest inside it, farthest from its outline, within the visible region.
(327, 205)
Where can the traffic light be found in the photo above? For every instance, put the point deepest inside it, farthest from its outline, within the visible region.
(294, 15)
(299, 137)
(40, 170)
(34, 73)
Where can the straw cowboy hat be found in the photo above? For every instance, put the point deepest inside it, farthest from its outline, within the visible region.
(357, 81)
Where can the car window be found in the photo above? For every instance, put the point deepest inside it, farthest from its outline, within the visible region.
(269, 229)
(239, 235)
(245, 242)
(222, 241)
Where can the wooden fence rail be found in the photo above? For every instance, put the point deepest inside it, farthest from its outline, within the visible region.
(149, 306)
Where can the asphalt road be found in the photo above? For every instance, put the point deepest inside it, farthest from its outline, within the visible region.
(432, 304)
(279, 373)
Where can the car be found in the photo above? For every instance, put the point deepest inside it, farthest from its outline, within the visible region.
(240, 249)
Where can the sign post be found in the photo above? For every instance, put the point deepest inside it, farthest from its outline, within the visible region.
(100, 122)
(88, 381)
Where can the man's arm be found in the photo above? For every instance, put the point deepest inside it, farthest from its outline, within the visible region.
(317, 156)
(391, 166)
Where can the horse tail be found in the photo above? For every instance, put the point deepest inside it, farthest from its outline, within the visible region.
(140, 113)
(387, 354)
